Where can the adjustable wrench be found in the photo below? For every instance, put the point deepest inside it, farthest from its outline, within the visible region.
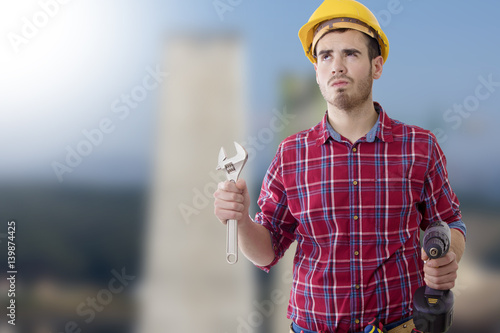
(233, 168)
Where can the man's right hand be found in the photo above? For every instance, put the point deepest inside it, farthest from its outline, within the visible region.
(232, 201)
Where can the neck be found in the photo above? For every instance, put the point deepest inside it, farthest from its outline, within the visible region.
(353, 124)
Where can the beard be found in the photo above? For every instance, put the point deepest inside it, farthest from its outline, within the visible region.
(343, 100)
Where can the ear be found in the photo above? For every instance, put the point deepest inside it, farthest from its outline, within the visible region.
(377, 67)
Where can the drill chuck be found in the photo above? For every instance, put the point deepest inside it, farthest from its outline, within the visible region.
(436, 241)
(434, 252)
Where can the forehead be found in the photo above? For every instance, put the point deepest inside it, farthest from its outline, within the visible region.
(342, 40)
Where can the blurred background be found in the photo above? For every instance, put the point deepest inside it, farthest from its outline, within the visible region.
(112, 117)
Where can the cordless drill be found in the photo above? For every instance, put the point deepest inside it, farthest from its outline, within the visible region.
(433, 309)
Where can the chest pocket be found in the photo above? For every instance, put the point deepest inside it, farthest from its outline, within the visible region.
(390, 201)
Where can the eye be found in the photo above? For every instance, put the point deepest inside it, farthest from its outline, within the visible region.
(351, 53)
(325, 56)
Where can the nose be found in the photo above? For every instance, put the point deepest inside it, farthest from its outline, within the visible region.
(338, 66)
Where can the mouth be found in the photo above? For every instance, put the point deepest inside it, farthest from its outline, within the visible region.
(339, 83)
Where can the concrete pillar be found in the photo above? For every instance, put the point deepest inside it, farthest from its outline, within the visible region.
(187, 285)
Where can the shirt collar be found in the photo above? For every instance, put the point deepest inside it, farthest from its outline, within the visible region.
(381, 130)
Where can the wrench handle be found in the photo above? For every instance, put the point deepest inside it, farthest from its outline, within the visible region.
(232, 241)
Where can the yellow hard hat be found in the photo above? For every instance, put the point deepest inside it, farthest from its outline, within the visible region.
(336, 14)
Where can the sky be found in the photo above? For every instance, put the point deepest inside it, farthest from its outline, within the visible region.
(65, 67)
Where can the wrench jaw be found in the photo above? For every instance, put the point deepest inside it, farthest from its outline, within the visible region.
(233, 165)
(222, 158)
(241, 153)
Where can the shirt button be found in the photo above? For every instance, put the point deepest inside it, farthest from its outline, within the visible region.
(354, 150)
(356, 253)
(355, 183)
(357, 321)
(357, 286)
(355, 217)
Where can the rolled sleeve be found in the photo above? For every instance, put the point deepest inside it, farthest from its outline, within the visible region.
(460, 226)
(275, 215)
(441, 203)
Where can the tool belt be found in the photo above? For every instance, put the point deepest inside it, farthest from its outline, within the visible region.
(405, 327)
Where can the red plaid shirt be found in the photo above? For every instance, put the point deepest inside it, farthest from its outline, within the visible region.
(356, 211)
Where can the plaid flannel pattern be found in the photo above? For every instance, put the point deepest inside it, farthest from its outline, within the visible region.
(356, 211)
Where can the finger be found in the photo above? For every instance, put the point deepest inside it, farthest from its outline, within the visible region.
(228, 186)
(441, 283)
(451, 268)
(241, 185)
(440, 286)
(222, 195)
(425, 257)
(449, 258)
(224, 214)
(229, 205)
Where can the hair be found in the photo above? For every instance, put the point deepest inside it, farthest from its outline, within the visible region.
(372, 43)
(373, 47)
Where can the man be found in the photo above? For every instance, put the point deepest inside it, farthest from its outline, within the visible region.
(353, 191)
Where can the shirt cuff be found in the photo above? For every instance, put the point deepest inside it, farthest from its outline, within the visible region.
(273, 240)
(460, 225)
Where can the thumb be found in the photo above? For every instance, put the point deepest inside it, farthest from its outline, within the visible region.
(425, 257)
(241, 185)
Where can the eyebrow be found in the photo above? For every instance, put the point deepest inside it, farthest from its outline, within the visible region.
(344, 51)
(351, 51)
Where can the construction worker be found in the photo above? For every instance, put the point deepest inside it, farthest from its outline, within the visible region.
(354, 191)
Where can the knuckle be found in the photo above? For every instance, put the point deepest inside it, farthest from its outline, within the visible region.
(219, 214)
(234, 206)
(430, 271)
(238, 207)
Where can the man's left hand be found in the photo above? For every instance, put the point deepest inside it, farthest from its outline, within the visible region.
(440, 273)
